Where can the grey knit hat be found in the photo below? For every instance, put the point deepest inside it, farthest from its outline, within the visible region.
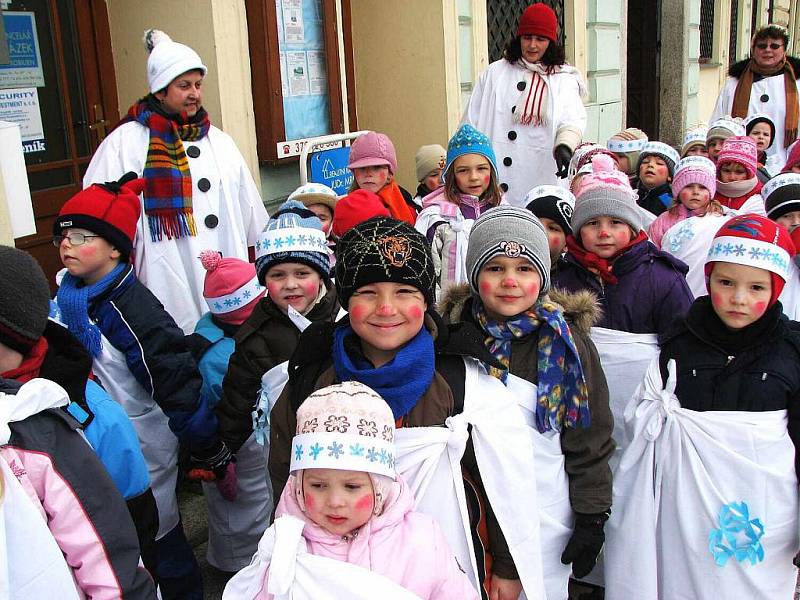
(24, 300)
(510, 231)
(605, 192)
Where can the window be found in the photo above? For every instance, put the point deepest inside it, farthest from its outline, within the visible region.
(706, 30)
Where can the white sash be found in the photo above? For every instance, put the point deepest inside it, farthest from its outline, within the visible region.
(294, 574)
(429, 460)
(683, 483)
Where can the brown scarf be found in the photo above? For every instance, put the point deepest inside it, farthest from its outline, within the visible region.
(741, 98)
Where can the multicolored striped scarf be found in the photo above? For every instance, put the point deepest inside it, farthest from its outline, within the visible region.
(168, 181)
(563, 398)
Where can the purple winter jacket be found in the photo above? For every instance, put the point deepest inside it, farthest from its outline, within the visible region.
(651, 292)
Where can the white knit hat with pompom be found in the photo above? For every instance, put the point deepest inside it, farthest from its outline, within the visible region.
(168, 59)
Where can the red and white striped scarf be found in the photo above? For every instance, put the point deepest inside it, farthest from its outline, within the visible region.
(533, 104)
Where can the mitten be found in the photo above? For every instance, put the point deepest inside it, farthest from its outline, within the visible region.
(585, 544)
(562, 155)
(209, 464)
(227, 485)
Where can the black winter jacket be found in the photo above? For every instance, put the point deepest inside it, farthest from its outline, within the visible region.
(754, 369)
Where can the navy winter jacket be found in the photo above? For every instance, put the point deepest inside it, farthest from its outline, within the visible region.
(650, 294)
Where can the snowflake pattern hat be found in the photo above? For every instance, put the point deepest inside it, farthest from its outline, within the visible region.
(346, 426)
(293, 234)
(782, 195)
(696, 136)
(315, 193)
(231, 287)
(754, 241)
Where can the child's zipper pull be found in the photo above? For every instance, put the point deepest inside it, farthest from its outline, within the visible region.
(730, 359)
(764, 376)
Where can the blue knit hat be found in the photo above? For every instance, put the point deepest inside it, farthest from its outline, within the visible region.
(293, 234)
(468, 140)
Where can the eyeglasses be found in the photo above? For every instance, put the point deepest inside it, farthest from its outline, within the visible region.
(772, 46)
(75, 239)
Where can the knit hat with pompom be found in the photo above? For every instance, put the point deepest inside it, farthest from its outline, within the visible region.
(605, 192)
(231, 287)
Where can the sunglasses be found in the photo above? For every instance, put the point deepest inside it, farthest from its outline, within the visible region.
(772, 46)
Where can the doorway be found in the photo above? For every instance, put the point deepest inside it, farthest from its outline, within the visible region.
(75, 87)
(644, 48)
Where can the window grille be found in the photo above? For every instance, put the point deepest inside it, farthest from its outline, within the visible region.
(734, 31)
(502, 18)
(706, 30)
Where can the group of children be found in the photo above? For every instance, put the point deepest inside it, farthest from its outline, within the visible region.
(465, 360)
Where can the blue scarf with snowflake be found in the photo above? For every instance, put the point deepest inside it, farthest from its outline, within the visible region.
(73, 300)
(562, 395)
(401, 381)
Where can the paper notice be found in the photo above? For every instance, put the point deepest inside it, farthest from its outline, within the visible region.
(298, 73)
(293, 28)
(317, 74)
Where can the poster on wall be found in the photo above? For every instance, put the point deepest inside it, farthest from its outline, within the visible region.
(304, 76)
(25, 68)
(21, 106)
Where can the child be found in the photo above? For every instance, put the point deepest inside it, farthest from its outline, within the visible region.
(140, 356)
(430, 161)
(356, 207)
(792, 159)
(719, 131)
(526, 331)
(470, 188)
(694, 142)
(626, 146)
(65, 530)
(737, 185)
(237, 517)
(655, 169)
(640, 288)
(761, 128)
(374, 163)
(392, 341)
(31, 346)
(292, 263)
(355, 510)
(694, 187)
(48, 350)
(553, 206)
(715, 423)
(782, 200)
(319, 199)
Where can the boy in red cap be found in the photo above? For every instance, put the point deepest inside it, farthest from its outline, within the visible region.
(717, 423)
(140, 356)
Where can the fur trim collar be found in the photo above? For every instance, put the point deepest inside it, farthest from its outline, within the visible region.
(580, 309)
(737, 68)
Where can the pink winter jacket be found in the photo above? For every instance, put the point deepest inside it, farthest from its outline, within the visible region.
(405, 546)
(664, 221)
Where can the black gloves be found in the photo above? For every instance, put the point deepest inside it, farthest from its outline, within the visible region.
(210, 464)
(562, 155)
(585, 544)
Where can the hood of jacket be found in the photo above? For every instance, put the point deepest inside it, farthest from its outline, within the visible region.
(580, 309)
(737, 68)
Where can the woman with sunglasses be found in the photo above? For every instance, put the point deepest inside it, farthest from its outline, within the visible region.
(765, 83)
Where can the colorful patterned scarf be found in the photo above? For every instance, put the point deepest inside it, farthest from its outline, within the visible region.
(168, 181)
(563, 398)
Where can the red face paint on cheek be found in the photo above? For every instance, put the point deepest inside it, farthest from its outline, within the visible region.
(274, 288)
(310, 289)
(716, 299)
(358, 312)
(761, 308)
(486, 179)
(310, 502)
(365, 502)
(415, 312)
(485, 287)
(532, 288)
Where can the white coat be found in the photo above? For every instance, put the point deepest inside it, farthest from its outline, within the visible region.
(526, 160)
(170, 268)
(774, 107)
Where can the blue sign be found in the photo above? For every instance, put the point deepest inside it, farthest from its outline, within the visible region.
(25, 69)
(330, 167)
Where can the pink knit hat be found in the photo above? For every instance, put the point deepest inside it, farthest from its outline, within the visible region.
(373, 149)
(231, 287)
(695, 169)
(741, 150)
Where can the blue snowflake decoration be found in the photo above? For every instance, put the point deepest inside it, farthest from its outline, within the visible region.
(384, 456)
(356, 450)
(278, 242)
(298, 451)
(738, 536)
(315, 450)
(335, 449)
(267, 244)
(372, 455)
(683, 234)
(246, 294)
(228, 302)
(217, 305)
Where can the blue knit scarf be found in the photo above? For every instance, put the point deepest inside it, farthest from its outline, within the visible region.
(73, 299)
(401, 381)
(563, 398)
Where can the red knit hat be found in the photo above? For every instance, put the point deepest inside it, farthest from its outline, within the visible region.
(793, 158)
(754, 241)
(111, 210)
(741, 150)
(231, 287)
(539, 19)
(358, 206)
